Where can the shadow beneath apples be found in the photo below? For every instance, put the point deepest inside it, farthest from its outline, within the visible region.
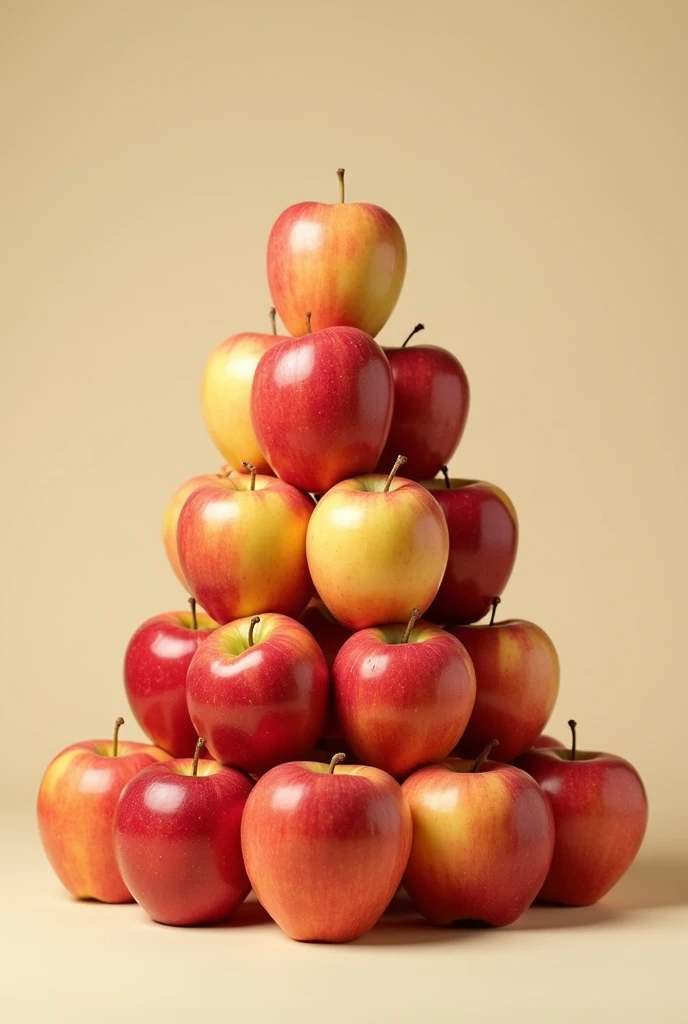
(403, 925)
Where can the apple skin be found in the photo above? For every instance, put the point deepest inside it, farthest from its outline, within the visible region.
(483, 541)
(343, 263)
(259, 705)
(243, 551)
(330, 637)
(517, 682)
(171, 515)
(177, 841)
(76, 807)
(156, 662)
(431, 400)
(321, 407)
(325, 853)
(482, 842)
(546, 741)
(226, 397)
(422, 690)
(600, 816)
(375, 555)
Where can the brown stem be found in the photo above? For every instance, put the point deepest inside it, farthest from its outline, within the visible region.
(337, 759)
(445, 474)
(340, 175)
(308, 323)
(418, 327)
(401, 459)
(572, 727)
(415, 615)
(197, 753)
(252, 470)
(272, 313)
(251, 626)
(194, 620)
(119, 722)
(483, 755)
(495, 602)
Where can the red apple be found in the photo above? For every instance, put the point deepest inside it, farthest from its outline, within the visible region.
(343, 262)
(243, 547)
(155, 666)
(517, 682)
(377, 546)
(546, 741)
(177, 837)
(325, 849)
(76, 806)
(403, 695)
(600, 816)
(173, 510)
(321, 407)
(483, 539)
(431, 399)
(330, 636)
(483, 837)
(257, 692)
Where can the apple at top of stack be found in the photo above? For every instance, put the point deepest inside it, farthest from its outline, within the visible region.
(342, 262)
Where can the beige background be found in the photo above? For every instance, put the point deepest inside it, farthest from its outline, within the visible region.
(536, 157)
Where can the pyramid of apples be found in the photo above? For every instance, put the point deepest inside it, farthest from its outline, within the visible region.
(336, 723)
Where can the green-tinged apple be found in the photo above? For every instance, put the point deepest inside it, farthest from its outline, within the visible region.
(176, 503)
(483, 837)
(517, 682)
(600, 817)
(76, 806)
(343, 262)
(431, 399)
(257, 691)
(226, 396)
(177, 836)
(377, 546)
(321, 406)
(155, 666)
(403, 694)
(325, 847)
(242, 547)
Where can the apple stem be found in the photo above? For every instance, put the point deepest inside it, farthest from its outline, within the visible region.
(251, 626)
(415, 615)
(495, 601)
(197, 753)
(192, 604)
(401, 459)
(445, 474)
(119, 722)
(337, 759)
(572, 727)
(252, 470)
(340, 175)
(272, 313)
(418, 327)
(483, 755)
(308, 323)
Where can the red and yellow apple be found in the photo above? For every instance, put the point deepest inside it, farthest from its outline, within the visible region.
(343, 262)
(176, 504)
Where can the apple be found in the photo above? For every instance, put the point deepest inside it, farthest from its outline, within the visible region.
(177, 837)
(431, 399)
(483, 837)
(345, 262)
(76, 806)
(546, 741)
(330, 636)
(403, 695)
(483, 540)
(155, 666)
(242, 547)
(517, 682)
(174, 507)
(325, 847)
(600, 816)
(226, 396)
(321, 407)
(377, 546)
(257, 692)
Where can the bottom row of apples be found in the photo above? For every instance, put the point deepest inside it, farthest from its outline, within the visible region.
(326, 846)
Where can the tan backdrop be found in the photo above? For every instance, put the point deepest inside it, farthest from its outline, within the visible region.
(535, 155)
